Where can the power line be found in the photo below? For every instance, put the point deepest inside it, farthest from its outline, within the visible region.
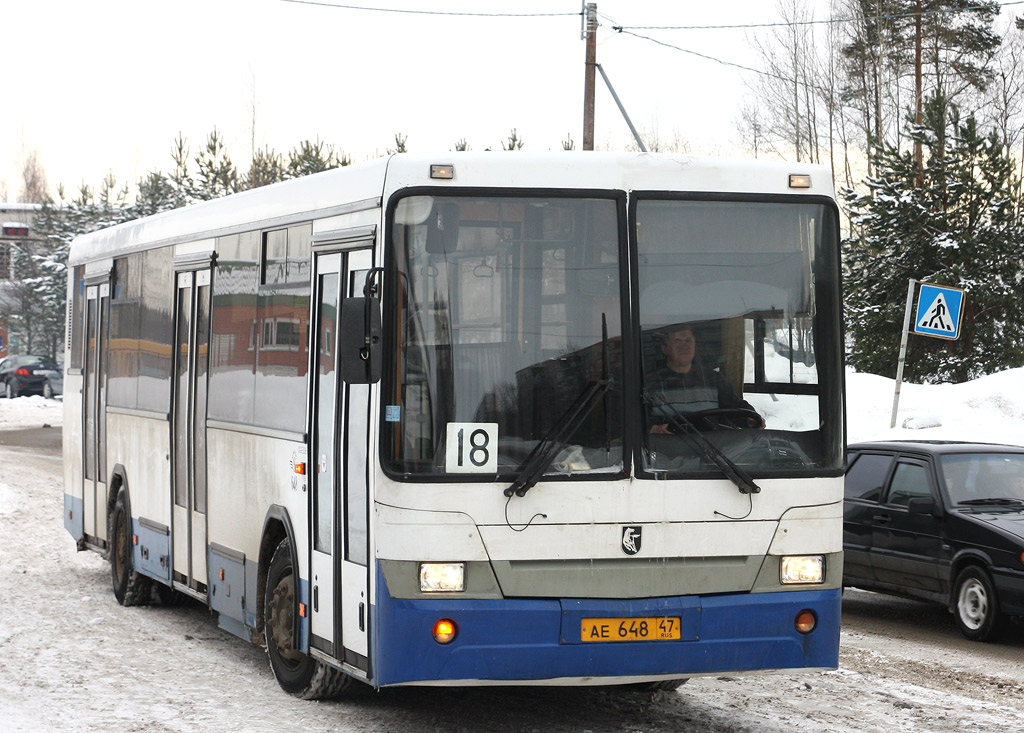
(429, 12)
(725, 63)
(830, 21)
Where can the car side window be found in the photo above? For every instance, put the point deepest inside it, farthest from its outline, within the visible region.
(909, 482)
(866, 477)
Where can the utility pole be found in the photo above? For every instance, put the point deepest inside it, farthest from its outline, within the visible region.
(589, 79)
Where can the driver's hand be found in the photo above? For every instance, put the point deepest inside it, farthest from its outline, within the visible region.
(661, 429)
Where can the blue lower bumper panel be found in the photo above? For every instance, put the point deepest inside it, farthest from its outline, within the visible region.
(533, 640)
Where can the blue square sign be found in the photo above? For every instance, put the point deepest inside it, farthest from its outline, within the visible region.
(938, 311)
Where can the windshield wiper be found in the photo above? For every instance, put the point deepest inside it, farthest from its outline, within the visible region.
(684, 427)
(551, 444)
(1001, 501)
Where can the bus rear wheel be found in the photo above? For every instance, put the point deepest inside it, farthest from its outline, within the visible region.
(297, 673)
(130, 588)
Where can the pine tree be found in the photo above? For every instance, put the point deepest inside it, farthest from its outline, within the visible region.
(267, 167)
(957, 223)
(217, 175)
(400, 141)
(314, 157)
(514, 142)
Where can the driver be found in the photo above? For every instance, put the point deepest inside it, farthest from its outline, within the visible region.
(687, 385)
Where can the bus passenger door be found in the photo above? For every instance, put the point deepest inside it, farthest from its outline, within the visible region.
(324, 450)
(94, 405)
(339, 439)
(355, 548)
(188, 428)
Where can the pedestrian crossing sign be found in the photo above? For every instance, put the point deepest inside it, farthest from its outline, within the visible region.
(938, 311)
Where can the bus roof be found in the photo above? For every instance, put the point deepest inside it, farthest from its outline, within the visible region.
(334, 191)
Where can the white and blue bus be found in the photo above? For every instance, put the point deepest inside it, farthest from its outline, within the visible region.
(403, 422)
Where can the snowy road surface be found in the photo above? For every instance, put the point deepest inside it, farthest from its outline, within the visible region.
(71, 659)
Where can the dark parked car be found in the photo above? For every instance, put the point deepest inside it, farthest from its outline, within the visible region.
(26, 374)
(939, 521)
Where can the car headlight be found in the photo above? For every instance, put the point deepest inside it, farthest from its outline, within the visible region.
(802, 569)
(440, 577)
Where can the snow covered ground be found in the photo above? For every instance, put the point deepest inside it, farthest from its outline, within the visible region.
(71, 659)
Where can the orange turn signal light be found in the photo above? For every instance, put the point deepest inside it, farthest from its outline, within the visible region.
(302, 610)
(805, 621)
(444, 630)
(300, 468)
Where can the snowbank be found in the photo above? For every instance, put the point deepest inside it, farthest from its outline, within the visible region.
(989, 409)
(33, 411)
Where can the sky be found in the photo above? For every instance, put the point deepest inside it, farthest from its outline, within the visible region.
(106, 86)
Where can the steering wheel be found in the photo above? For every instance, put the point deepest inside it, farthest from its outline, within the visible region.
(725, 418)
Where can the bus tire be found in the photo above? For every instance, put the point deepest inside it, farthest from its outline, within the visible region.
(297, 673)
(130, 588)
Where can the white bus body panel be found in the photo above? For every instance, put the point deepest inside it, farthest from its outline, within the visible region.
(142, 446)
(248, 474)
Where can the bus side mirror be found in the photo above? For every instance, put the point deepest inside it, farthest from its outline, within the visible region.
(359, 341)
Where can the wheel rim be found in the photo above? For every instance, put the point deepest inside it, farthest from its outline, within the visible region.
(282, 622)
(972, 604)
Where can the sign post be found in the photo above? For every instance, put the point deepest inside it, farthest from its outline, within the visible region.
(903, 351)
(938, 315)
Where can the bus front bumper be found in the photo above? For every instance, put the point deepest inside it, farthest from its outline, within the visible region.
(527, 641)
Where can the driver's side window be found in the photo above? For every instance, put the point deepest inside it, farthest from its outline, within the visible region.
(910, 481)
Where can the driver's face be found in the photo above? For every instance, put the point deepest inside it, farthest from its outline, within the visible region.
(679, 349)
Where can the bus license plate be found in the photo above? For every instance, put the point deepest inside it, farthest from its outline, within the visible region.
(653, 628)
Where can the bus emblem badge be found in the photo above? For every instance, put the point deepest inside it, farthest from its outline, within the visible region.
(631, 540)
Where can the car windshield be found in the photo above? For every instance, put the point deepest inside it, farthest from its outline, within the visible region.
(976, 477)
(34, 361)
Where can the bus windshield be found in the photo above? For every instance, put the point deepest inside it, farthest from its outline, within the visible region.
(739, 337)
(507, 313)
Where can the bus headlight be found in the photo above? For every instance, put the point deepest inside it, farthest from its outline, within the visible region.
(441, 577)
(802, 569)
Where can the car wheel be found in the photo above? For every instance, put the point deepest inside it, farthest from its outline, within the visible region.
(976, 606)
(296, 672)
(47, 390)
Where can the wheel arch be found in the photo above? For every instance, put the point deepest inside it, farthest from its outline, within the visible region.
(118, 480)
(963, 560)
(277, 527)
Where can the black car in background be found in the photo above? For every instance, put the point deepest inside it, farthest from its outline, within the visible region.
(26, 374)
(939, 521)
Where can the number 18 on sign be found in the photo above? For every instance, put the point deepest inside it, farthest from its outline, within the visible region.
(472, 447)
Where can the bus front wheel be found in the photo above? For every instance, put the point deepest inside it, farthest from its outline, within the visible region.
(296, 672)
(130, 588)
